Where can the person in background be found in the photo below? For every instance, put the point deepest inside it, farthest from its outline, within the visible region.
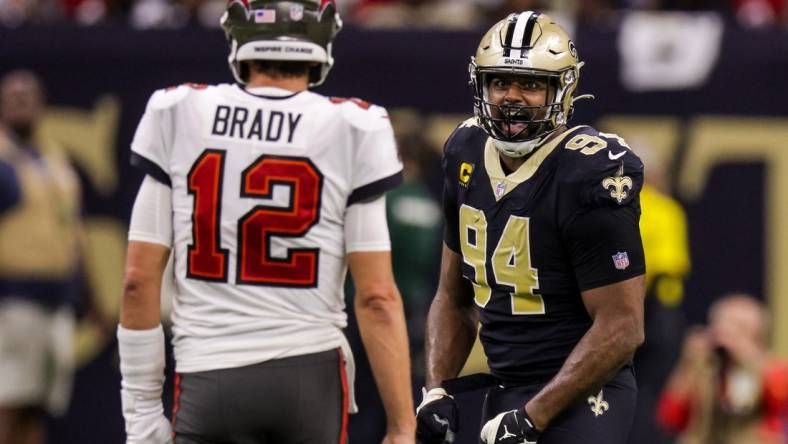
(39, 267)
(726, 387)
(415, 227)
(663, 226)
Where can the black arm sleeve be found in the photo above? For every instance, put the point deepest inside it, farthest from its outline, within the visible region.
(605, 246)
(451, 233)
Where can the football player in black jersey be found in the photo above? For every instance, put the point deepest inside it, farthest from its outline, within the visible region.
(542, 247)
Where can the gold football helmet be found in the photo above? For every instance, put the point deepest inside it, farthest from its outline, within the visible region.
(525, 44)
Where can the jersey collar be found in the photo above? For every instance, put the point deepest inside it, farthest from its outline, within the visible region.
(268, 92)
(501, 183)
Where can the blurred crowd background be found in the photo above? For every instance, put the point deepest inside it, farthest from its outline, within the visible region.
(697, 88)
(397, 14)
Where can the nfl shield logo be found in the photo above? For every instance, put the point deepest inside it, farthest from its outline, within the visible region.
(621, 260)
(296, 12)
(500, 189)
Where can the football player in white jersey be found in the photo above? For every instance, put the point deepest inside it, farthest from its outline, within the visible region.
(265, 193)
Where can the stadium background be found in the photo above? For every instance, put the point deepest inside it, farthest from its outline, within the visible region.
(709, 97)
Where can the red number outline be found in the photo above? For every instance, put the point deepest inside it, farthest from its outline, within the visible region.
(198, 265)
(258, 226)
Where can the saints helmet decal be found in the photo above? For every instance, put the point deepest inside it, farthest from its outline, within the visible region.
(294, 30)
(532, 45)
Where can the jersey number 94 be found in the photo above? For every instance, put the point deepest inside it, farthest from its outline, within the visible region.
(510, 261)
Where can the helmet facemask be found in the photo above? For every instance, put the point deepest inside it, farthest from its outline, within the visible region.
(503, 120)
(519, 126)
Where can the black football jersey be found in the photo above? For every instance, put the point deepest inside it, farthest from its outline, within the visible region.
(566, 221)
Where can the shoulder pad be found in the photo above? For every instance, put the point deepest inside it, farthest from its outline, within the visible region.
(603, 167)
(463, 151)
(469, 123)
(467, 135)
(593, 150)
(362, 114)
(169, 97)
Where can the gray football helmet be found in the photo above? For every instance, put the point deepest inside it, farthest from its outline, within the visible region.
(294, 30)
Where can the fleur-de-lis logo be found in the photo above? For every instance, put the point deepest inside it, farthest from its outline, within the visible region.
(598, 405)
(619, 185)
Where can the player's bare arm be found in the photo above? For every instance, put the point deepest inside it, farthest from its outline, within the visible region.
(617, 330)
(451, 322)
(381, 321)
(145, 263)
(141, 345)
(451, 330)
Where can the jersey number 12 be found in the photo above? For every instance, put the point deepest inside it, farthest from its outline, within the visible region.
(255, 265)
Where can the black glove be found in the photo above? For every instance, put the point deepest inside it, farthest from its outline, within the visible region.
(512, 427)
(437, 418)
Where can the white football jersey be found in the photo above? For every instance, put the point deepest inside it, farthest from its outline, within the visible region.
(260, 185)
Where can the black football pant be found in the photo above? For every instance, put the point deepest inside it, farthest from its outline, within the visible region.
(599, 419)
(296, 400)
